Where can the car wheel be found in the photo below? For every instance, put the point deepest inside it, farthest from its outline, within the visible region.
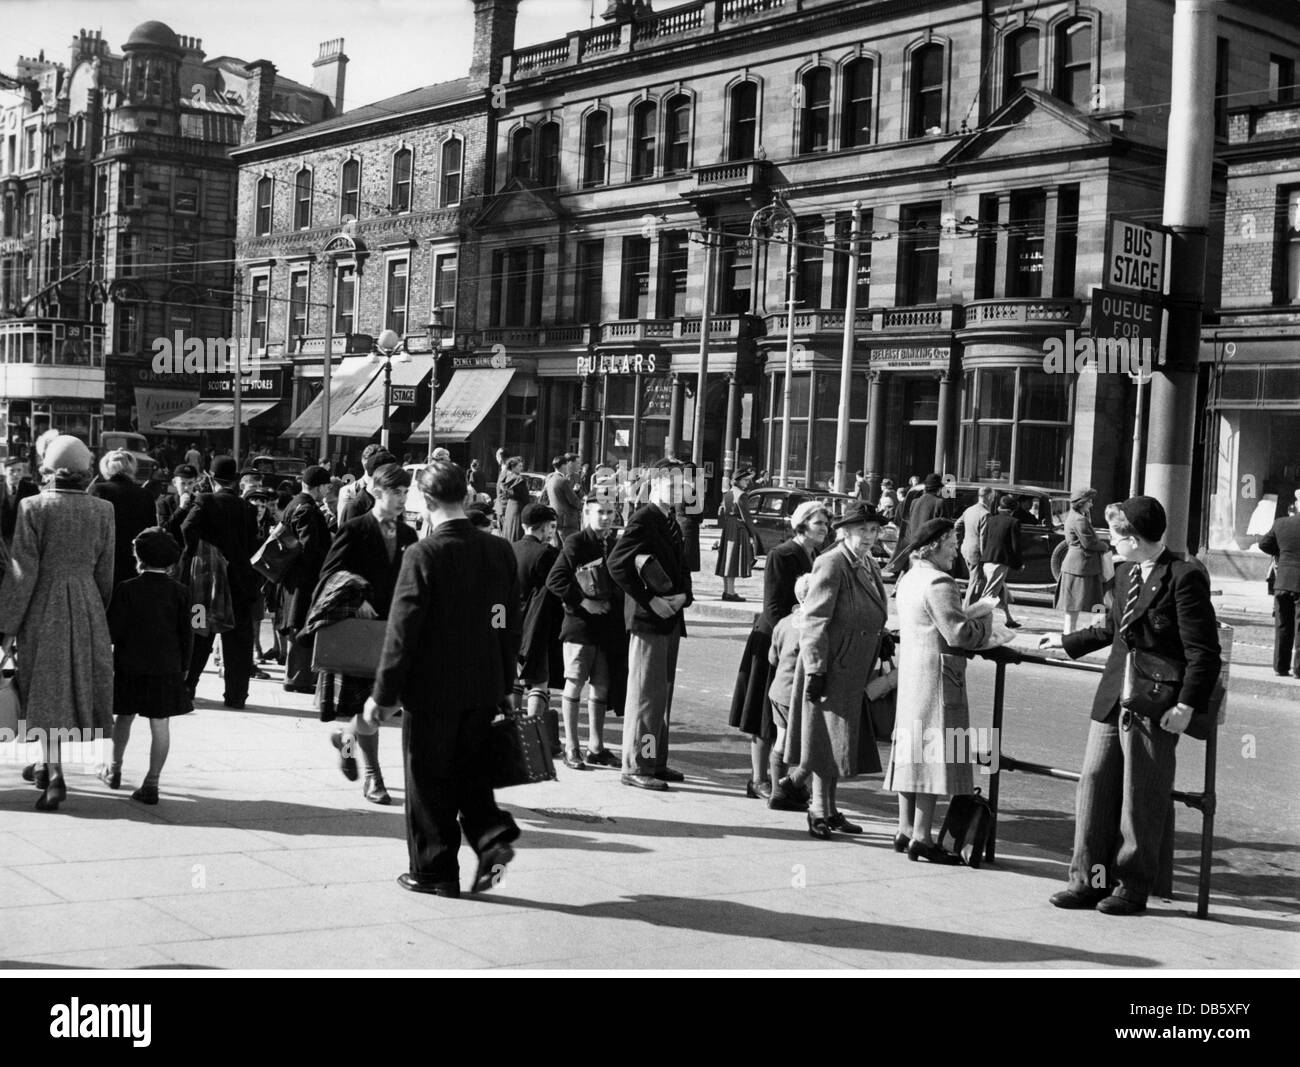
(1058, 560)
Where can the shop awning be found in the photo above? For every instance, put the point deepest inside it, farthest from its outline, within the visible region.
(347, 382)
(216, 415)
(473, 392)
(154, 406)
(366, 415)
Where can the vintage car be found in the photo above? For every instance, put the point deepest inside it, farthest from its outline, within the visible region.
(771, 507)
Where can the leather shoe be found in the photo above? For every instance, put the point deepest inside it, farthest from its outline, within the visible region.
(644, 781)
(491, 866)
(235, 705)
(1077, 899)
(437, 889)
(374, 790)
(818, 827)
(38, 774)
(574, 761)
(842, 825)
(298, 688)
(347, 763)
(928, 850)
(603, 758)
(787, 797)
(110, 777)
(146, 794)
(758, 790)
(1118, 905)
(670, 775)
(901, 841)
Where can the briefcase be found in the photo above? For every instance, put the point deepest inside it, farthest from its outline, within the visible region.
(521, 751)
(273, 560)
(966, 827)
(350, 646)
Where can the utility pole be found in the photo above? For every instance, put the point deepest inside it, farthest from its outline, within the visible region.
(702, 382)
(1188, 168)
(846, 358)
(327, 262)
(237, 370)
(787, 384)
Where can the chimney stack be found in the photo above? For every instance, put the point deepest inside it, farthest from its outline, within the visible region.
(257, 102)
(330, 72)
(494, 36)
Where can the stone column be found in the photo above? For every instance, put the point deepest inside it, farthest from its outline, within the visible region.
(875, 433)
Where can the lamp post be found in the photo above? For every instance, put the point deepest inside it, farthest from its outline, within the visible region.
(435, 330)
(388, 345)
(768, 217)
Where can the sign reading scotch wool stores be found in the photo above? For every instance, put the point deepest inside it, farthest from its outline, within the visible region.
(1135, 257)
(266, 385)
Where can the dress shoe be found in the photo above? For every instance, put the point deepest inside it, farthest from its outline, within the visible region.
(644, 781)
(298, 688)
(840, 824)
(731, 598)
(347, 762)
(437, 889)
(818, 827)
(38, 774)
(1118, 905)
(1012, 624)
(261, 675)
(374, 790)
(110, 777)
(928, 850)
(670, 775)
(54, 794)
(901, 841)
(603, 758)
(574, 761)
(491, 866)
(146, 794)
(758, 790)
(1077, 899)
(235, 705)
(785, 797)
(1283, 674)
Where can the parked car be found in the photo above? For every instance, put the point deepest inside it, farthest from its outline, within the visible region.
(1042, 542)
(277, 467)
(137, 445)
(771, 508)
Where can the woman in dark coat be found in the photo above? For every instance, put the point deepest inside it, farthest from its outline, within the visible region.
(750, 709)
(134, 509)
(739, 538)
(1083, 585)
(306, 520)
(513, 497)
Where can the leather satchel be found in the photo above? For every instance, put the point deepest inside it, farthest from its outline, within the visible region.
(281, 550)
(1151, 683)
(350, 646)
(653, 575)
(521, 751)
(594, 580)
(966, 827)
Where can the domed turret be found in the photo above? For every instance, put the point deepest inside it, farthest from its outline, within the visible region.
(153, 35)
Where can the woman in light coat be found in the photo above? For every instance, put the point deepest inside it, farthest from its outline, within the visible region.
(55, 600)
(932, 704)
(1083, 585)
(843, 619)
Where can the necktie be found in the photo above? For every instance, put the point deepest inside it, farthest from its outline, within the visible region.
(675, 532)
(1134, 589)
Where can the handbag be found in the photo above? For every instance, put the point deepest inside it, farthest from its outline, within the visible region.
(279, 552)
(882, 698)
(11, 705)
(1151, 683)
(594, 581)
(521, 752)
(652, 573)
(966, 827)
(350, 646)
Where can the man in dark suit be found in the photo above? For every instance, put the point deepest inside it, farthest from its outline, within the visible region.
(535, 554)
(17, 486)
(593, 635)
(133, 508)
(1000, 553)
(1162, 605)
(229, 523)
(559, 494)
(449, 659)
(1282, 542)
(306, 521)
(915, 512)
(656, 624)
(372, 546)
(356, 498)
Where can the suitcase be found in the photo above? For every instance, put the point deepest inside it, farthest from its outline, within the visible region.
(350, 646)
(521, 751)
(966, 827)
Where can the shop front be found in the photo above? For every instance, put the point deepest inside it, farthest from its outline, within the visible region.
(912, 409)
(263, 409)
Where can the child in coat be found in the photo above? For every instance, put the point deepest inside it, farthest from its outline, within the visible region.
(150, 623)
(787, 794)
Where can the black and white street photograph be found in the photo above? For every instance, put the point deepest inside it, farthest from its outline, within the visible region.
(680, 488)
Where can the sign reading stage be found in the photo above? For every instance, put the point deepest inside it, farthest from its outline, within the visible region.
(1135, 257)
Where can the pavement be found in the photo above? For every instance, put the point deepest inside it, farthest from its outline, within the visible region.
(260, 856)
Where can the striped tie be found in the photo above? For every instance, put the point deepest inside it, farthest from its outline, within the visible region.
(1134, 589)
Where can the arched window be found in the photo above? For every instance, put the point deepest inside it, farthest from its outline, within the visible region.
(350, 190)
(855, 114)
(1074, 63)
(451, 170)
(1020, 63)
(521, 152)
(677, 134)
(401, 200)
(548, 155)
(815, 114)
(645, 118)
(742, 139)
(265, 194)
(302, 199)
(927, 89)
(595, 147)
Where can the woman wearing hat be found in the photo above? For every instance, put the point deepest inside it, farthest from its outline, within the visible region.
(931, 688)
(54, 601)
(750, 708)
(844, 617)
(739, 542)
(1082, 586)
(512, 498)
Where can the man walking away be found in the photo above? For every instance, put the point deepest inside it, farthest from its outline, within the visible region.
(1000, 551)
(449, 660)
(1282, 542)
(535, 554)
(970, 531)
(306, 521)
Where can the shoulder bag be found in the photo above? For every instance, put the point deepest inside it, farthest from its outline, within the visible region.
(594, 581)
(273, 560)
(1151, 683)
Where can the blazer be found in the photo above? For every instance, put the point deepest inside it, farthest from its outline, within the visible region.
(354, 501)
(1085, 547)
(149, 622)
(969, 530)
(133, 511)
(229, 522)
(1283, 542)
(785, 565)
(567, 504)
(925, 507)
(1174, 618)
(359, 548)
(1001, 540)
(649, 532)
(541, 609)
(453, 629)
(580, 627)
